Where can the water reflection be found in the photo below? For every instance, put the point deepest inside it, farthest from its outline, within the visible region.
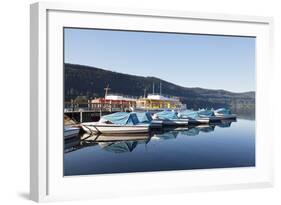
(127, 143)
(220, 145)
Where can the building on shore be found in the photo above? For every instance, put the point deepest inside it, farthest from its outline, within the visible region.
(114, 103)
(158, 101)
(118, 102)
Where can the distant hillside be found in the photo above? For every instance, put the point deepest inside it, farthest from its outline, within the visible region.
(90, 81)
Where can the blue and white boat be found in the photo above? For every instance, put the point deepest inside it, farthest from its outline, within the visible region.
(224, 113)
(208, 114)
(170, 118)
(146, 118)
(70, 132)
(116, 123)
(193, 117)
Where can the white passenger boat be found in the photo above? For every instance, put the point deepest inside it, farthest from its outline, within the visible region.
(70, 132)
(116, 123)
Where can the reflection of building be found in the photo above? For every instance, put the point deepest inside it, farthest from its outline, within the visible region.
(157, 101)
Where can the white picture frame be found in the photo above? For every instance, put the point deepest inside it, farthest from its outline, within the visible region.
(46, 103)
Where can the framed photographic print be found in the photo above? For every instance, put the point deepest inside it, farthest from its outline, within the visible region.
(129, 102)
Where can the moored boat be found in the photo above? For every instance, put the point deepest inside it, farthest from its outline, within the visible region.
(208, 114)
(169, 118)
(193, 117)
(116, 123)
(224, 113)
(146, 118)
(70, 132)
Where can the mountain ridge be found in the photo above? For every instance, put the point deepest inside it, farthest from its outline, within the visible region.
(102, 69)
(81, 80)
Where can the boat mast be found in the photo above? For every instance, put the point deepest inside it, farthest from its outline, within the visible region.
(160, 87)
(106, 90)
(153, 88)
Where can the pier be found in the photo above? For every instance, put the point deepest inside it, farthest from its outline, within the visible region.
(91, 112)
(86, 115)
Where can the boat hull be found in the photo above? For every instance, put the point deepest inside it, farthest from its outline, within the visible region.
(178, 122)
(156, 124)
(71, 132)
(114, 129)
(215, 119)
(226, 117)
(199, 121)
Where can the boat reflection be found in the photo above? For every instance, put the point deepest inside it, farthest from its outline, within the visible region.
(206, 128)
(223, 123)
(119, 147)
(128, 142)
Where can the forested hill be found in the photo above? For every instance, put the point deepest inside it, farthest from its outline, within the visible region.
(90, 81)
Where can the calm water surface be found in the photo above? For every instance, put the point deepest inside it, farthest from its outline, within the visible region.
(215, 146)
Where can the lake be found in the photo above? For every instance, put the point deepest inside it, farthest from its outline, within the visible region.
(222, 145)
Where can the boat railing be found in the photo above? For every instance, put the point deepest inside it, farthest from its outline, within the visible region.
(97, 107)
(124, 96)
(163, 95)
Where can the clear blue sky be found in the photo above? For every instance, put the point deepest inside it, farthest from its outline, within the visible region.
(213, 62)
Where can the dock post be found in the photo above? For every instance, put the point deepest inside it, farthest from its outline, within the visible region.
(72, 106)
(81, 116)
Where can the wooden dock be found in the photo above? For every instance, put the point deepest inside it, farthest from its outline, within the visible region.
(89, 112)
(86, 115)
